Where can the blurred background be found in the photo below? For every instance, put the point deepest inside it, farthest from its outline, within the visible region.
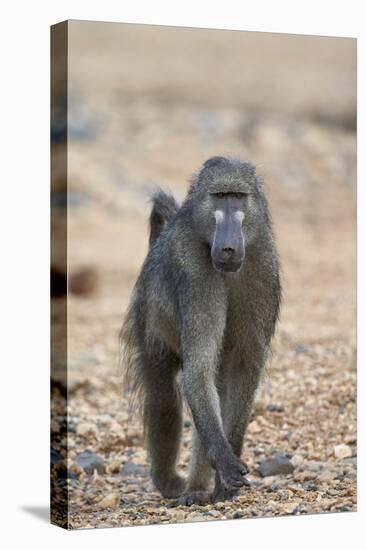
(147, 105)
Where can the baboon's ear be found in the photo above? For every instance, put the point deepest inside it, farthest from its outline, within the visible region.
(214, 161)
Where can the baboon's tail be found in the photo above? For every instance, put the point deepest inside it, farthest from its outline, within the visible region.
(164, 209)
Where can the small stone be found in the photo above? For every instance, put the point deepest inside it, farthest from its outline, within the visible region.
(297, 460)
(215, 513)
(289, 507)
(326, 476)
(55, 457)
(55, 426)
(194, 516)
(238, 514)
(86, 429)
(342, 451)
(274, 408)
(114, 466)
(177, 515)
(90, 462)
(109, 501)
(267, 482)
(297, 489)
(306, 475)
(132, 469)
(310, 486)
(254, 427)
(280, 464)
(74, 467)
(352, 461)
(314, 465)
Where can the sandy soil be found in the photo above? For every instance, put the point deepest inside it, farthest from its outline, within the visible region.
(123, 143)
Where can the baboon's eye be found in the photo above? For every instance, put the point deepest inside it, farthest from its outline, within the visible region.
(235, 195)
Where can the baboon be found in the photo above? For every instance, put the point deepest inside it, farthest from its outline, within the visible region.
(199, 326)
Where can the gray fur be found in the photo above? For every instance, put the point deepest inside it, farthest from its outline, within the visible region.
(212, 327)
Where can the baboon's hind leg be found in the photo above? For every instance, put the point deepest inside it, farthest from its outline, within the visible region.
(163, 422)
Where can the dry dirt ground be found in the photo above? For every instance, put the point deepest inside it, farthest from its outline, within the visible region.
(120, 147)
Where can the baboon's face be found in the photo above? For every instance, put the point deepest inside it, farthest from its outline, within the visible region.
(228, 244)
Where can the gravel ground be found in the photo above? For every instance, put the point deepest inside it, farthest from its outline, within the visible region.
(120, 148)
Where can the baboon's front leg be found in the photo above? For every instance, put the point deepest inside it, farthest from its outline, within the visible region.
(239, 385)
(198, 490)
(202, 334)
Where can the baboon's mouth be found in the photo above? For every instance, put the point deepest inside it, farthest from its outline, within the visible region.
(228, 267)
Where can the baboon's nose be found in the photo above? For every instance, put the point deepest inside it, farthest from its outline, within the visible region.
(228, 250)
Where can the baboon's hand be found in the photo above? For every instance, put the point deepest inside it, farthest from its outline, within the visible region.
(194, 497)
(232, 472)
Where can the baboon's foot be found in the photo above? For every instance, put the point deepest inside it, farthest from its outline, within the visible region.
(231, 473)
(194, 497)
(172, 487)
(221, 494)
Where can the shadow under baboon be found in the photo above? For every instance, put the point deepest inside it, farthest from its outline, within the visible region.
(204, 306)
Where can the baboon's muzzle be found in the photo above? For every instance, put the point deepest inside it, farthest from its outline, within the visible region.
(228, 250)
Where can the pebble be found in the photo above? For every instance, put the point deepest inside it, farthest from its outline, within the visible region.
(254, 427)
(132, 469)
(90, 462)
(177, 515)
(297, 459)
(214, 513)
(268, 481)
(275, 408)
(109, 501)
(326, 476)
(114, 466)
(86, 429)
(279, 464)
(289, 507)
(342, 451)
(306, 475)
(194, 516)
(55, 426)
(55, 457)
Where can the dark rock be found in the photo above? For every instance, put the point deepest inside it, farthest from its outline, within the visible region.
(274, 408)
(272, 488)
(132, 469)
(67, 426)
(238, 514)
(345, 509)
(63, 473)
(89, 461)
(310, 486)
(55, 457)
(279, 464)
